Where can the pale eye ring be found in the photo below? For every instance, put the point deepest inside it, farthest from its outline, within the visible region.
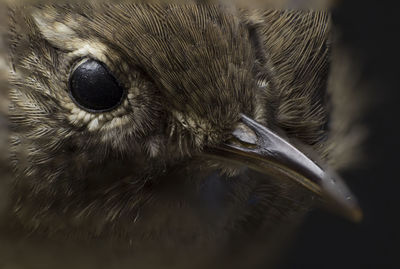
(93, 88)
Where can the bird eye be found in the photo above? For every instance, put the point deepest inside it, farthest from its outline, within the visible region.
(94, 88)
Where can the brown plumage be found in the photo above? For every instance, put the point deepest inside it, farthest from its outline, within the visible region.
(136, 175)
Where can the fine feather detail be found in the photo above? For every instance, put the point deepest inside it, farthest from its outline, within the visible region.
(190, 70)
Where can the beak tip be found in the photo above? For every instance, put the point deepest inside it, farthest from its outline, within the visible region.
(357, 215)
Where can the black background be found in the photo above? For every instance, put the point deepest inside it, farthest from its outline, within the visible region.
(371, 29)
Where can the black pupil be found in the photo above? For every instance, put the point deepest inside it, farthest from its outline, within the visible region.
(94, 88)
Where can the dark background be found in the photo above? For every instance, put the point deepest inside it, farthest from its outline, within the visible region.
(371, 30)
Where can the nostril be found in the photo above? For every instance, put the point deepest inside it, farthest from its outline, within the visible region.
(245, 135)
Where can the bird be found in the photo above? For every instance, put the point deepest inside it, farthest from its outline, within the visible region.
(198, 133)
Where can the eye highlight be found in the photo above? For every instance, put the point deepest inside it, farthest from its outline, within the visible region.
(93, 88)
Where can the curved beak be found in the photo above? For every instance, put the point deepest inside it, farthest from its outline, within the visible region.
(257, 147)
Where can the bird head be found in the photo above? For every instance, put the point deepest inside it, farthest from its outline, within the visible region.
(107, 100)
